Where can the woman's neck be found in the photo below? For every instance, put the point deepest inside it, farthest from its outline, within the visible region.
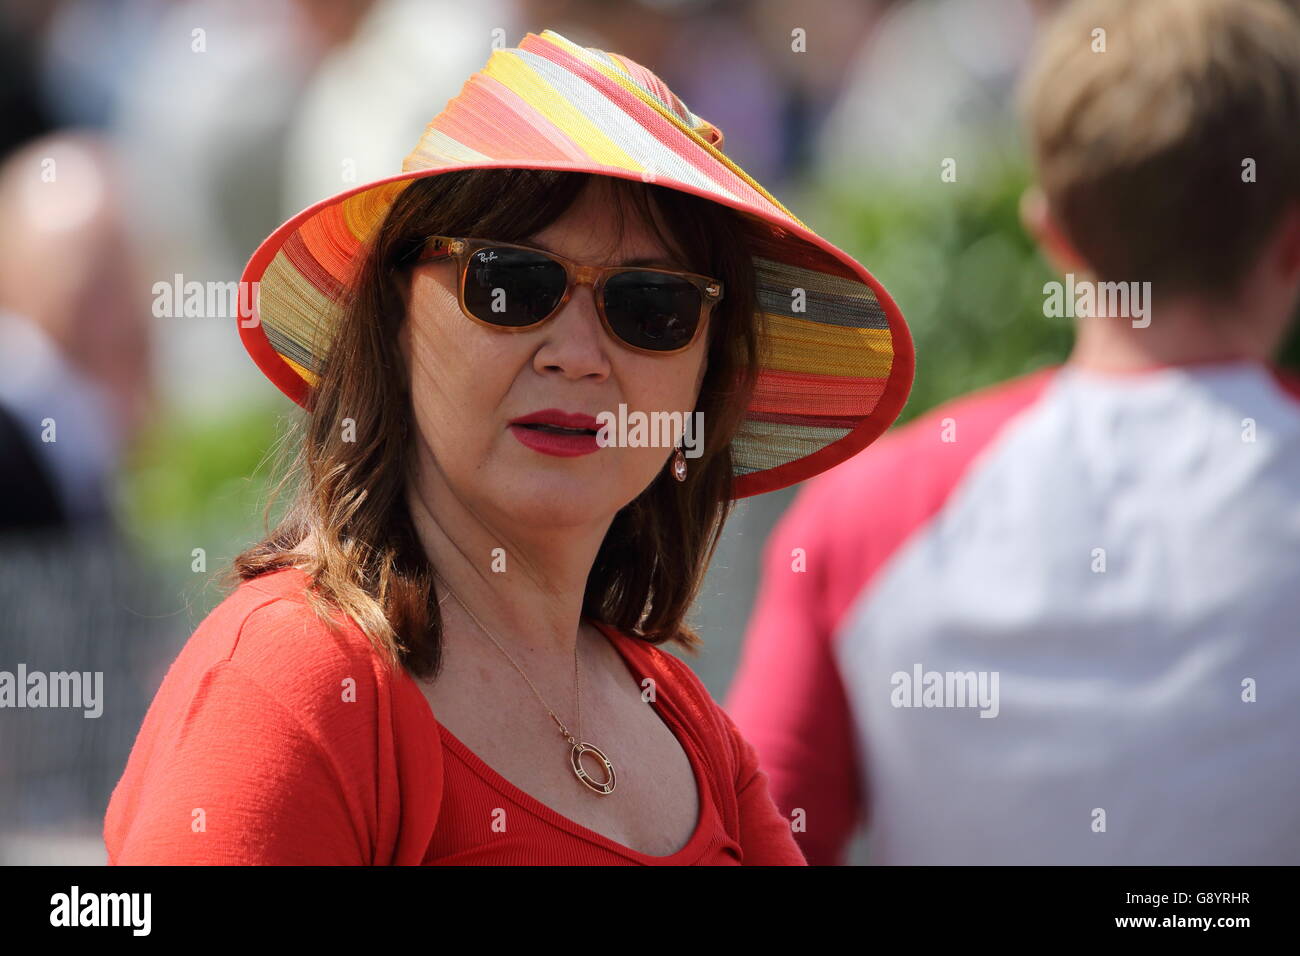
(525, 587)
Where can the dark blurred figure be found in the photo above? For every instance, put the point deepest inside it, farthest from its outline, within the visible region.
(193, 100)
(74, 335)
(21, 104)
(74, 391)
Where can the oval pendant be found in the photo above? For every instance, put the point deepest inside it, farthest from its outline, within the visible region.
(576, 759)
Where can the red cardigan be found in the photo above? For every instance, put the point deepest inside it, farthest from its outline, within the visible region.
(274, 740)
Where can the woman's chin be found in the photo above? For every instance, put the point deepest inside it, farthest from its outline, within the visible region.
(543, 497)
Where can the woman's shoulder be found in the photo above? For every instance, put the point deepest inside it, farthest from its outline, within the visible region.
(288, 733)
(267, 632)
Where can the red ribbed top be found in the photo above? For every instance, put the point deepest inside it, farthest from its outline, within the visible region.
(274, 740)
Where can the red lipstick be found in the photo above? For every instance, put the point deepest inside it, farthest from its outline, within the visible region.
(553, 431)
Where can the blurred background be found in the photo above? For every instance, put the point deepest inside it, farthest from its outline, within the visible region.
(182, 133)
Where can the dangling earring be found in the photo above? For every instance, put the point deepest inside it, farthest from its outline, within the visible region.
(679, 465)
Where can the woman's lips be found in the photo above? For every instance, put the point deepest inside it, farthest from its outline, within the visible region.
(556, 443)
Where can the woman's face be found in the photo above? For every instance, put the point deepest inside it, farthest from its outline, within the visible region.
(469, 382)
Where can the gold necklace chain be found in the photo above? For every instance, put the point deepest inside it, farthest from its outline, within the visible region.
(579, 747)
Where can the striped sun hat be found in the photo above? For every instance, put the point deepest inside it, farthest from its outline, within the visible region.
(836, 356)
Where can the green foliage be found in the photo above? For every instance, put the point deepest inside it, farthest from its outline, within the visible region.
(201, 482)
(967, 278)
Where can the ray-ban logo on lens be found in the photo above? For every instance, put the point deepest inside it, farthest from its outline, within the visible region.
(624, 429)
(946, 689)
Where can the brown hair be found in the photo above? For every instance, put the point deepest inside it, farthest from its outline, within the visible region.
(351, 500)
(1140, 149)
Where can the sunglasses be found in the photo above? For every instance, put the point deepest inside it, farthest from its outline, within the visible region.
(515, 287)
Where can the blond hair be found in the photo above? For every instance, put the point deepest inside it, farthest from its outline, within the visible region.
(1166, 135)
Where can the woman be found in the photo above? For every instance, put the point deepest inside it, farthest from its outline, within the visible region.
(444, 652)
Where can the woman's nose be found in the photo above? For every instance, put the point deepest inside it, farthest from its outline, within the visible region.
(575, 339)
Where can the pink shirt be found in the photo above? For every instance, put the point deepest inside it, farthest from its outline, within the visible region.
(1115, 559)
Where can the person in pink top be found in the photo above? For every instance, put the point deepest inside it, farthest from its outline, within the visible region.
(539, 365)
(1071, 637)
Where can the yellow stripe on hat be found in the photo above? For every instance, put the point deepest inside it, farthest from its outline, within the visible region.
(798, 345)
(436, 148)
(295, 309)
(623, 80)
(311, 378)
(365, 210)
(533, 88)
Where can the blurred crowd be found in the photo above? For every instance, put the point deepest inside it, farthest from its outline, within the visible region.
(147, 140)
(148, 143)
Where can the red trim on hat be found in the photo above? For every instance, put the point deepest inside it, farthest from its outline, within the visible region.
(901, 372)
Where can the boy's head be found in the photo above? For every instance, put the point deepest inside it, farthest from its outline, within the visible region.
(1167, 148)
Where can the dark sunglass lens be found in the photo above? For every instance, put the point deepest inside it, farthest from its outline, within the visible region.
(652, 310)
(512, 287)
